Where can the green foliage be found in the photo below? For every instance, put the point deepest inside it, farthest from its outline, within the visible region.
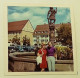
(16, 39)
(64, 34)
(63, 52)
(26, 40)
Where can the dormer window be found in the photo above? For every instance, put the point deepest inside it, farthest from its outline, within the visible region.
(46, 31)
(42, 31)
(38, 31)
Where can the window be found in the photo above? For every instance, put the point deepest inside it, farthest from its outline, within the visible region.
(35, 32)
(46, 35)
(19, 32)
(46, 40)
(42, 35)
(35, 40)
(12, 32)
(42, 40)
(16, 32)
(38, 31)
(45, 31)
(34, 35)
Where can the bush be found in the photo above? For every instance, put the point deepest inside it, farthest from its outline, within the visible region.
(64, 52)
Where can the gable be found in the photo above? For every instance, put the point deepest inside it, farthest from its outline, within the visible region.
(28, 27)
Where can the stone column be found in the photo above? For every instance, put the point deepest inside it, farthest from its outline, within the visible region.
(51, 22)
(52, 34)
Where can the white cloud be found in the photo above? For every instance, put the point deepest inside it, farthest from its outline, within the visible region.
(68, 19)
(19, 16)
(17, 8)
(61, 11)
(35, 20)
(39, 10)
(36, 15)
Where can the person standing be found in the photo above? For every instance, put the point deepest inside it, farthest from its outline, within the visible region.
(43, 53)
(50, 57)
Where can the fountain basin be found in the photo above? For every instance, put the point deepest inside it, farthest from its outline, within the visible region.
(22, 62)
(26, 62)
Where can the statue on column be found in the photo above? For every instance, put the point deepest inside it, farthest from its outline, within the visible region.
(51, 16)
(51, 22)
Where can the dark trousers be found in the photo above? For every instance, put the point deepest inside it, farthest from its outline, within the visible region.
(38, 68)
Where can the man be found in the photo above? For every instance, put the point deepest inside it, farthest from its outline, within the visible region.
(51, 15)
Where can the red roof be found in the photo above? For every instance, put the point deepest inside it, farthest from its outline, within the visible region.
(16, 26)
(43, 28)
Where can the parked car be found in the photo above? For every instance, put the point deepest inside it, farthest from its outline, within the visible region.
(11, 49)
(19, 48)
(28, 48)
(23, 48)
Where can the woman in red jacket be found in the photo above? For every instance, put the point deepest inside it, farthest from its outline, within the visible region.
(42, 52)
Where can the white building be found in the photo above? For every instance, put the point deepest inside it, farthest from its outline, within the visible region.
(41, 34)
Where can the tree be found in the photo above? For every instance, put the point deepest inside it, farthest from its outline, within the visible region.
(16, 40)
(64, 52)
(64, 34)
(26, 40)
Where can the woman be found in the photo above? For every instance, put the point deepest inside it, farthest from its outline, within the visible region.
(51, 58)
(42, 52)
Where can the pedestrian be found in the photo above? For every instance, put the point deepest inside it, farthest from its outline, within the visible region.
(43, 53)
(51, 57)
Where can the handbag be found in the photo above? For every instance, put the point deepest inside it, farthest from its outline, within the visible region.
(39, 58)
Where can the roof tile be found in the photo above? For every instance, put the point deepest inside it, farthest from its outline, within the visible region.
(16, 26)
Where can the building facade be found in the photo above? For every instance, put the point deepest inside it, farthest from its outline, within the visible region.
(21, 29)
(41, 34)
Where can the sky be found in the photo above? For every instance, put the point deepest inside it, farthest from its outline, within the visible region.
(37, 15)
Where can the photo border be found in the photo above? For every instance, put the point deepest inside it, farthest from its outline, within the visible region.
(6, 40)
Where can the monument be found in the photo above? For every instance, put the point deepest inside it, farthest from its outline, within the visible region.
(51, 22)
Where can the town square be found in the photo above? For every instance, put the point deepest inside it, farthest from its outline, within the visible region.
(31, 28)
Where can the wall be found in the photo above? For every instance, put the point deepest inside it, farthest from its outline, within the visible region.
(28, 35)
(28, 31)
(28, 27)
(40, 38)
(11, 35)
